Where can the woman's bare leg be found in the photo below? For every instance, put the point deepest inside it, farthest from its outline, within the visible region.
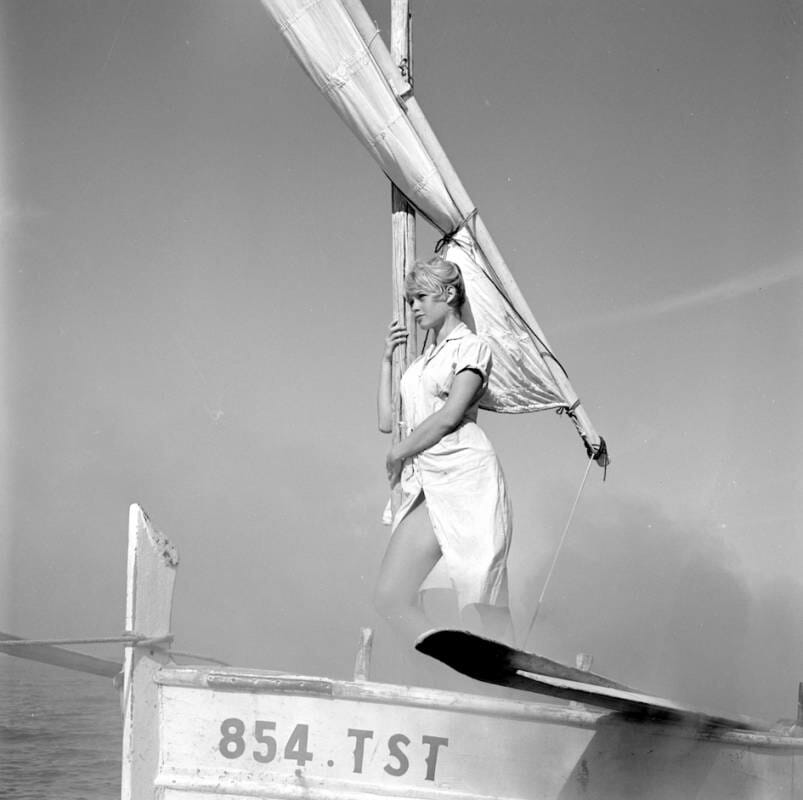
(412, 552)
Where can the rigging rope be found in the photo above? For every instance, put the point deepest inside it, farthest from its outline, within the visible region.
(557, 553)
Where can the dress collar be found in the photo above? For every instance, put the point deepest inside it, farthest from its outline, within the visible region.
(458, 332)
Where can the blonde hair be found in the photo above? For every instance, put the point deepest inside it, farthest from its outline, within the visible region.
(434, 277)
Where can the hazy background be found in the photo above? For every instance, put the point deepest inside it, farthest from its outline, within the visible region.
(196, 283)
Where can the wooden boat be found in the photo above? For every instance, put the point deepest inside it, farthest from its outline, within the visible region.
(210, 732)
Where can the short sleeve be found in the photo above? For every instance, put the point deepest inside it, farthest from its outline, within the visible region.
(474, 354)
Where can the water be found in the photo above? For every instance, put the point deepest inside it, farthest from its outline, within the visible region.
(60, 734)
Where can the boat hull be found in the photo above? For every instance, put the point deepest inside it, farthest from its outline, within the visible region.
(234, 733)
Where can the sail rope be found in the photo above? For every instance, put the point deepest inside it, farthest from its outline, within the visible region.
(557, 553)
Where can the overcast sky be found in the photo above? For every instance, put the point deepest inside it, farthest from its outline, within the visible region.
(196, 281)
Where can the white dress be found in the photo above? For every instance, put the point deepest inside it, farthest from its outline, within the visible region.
(460, 476)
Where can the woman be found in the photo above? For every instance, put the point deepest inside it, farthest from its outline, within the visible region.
(454, 500)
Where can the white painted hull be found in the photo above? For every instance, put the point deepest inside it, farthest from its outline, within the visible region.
(233, 733)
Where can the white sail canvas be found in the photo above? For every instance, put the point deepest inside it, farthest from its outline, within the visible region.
(332, 48)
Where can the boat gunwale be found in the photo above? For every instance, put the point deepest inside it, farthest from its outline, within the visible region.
(262, 681)
(308, 789)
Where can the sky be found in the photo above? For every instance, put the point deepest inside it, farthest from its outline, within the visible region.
(196, 283)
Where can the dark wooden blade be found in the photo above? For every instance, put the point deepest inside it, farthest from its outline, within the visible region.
(494, 662)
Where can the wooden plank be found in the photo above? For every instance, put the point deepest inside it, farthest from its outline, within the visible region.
(362, 664)
(256, 682)
(59, 657)
(152, 563)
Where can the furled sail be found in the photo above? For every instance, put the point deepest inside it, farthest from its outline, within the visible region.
(340, 49)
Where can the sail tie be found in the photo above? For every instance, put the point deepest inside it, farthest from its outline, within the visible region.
(568, 409)
(447, 238)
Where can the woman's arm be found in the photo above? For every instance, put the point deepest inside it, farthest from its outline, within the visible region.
(464, 391)
(397, 334)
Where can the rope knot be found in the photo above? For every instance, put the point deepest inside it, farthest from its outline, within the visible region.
(447, 238)
(133, 639)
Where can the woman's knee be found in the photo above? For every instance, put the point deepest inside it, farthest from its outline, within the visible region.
(389, 600)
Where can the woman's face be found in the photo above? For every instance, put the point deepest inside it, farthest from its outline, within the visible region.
(429, 310)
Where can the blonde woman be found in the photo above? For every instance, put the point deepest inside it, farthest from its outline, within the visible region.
(455, 504)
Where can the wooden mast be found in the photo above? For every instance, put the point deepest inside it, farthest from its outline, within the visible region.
(402, 223)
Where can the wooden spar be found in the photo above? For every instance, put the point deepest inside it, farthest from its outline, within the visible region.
(465, 207)
(152, 563)
(362, 664)
(59, 657)
(799, 721)
(403, 230)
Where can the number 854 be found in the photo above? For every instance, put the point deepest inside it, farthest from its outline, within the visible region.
(232, 742)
